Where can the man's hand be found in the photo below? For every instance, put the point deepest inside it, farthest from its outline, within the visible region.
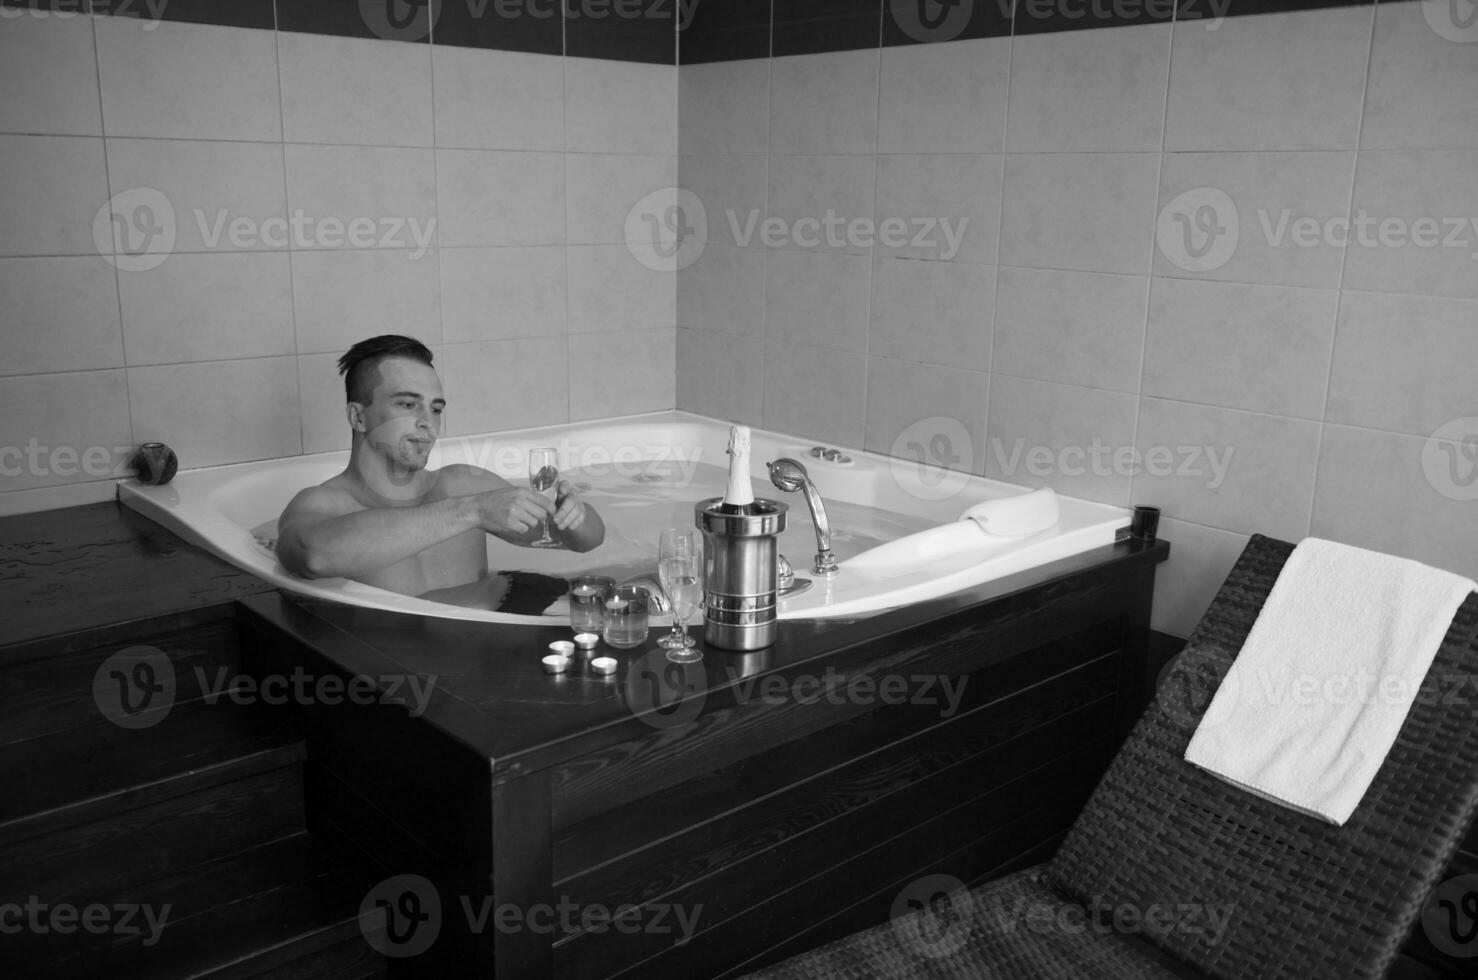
(511, 512)
(571, 509)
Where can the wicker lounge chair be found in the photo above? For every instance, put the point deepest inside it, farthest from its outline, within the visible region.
(1306, 899)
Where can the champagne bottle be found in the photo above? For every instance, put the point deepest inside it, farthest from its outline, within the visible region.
(739, 496)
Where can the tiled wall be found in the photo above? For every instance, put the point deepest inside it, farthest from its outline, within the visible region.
(527, 162)
(1059, 324)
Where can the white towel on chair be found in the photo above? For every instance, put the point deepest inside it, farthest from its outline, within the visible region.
(1308, 711)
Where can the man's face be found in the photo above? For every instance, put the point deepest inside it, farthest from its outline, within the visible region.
(403, 419)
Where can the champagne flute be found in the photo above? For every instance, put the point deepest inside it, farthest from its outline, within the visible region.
(680, 567)
(544, 477)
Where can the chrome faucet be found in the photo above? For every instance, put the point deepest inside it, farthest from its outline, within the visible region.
(790, 476)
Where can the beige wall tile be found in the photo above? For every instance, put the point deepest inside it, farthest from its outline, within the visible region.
(824, 103)
(1062, 436)
(216, 412)
(1096, 90)
(59, 314)
(52, 210)
(526, 114)
(49, 67)
(1093, 212)
(1403, 363)
(50, 424)
(1263, 483)
(208, 307)
(944, 98)
(351, 90)
(1079, 328)
(1287, 81)
(187, 81)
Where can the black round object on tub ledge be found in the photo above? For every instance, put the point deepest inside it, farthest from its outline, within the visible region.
(155, 464)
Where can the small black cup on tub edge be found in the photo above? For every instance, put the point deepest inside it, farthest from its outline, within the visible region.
(155, 464)
(1145, 525)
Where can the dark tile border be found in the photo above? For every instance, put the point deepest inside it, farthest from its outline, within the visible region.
(1053, 16)
(1203, 9)
(584, 40)
(530, 26)
(742, 44)
(371, 19)
(727, 15)
(623, 30)
(783, 10)
(929, 22)
(719, 30)
(857, 33)
(222, 13)
(74, 7)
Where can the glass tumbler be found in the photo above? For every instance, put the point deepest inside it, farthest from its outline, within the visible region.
(626, 617)
(588, 597)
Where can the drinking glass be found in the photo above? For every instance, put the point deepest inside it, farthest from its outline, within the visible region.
(544, 477)
(588, 596)
(680, 567)
(626, 617)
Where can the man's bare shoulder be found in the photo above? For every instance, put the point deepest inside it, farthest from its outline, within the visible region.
(328, 499)
(461, 479)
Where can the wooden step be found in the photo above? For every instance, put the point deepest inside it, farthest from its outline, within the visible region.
(102, 809)
(278, 909)
(352, 960)
(78, 576)
(53, 691)
(128, 849)
(87, 774)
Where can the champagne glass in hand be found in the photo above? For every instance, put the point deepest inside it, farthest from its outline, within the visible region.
(544, 477)
(680, 567)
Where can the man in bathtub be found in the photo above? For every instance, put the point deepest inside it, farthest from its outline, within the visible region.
(390, 522)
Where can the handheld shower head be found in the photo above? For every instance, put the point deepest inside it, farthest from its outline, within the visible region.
(788, 475)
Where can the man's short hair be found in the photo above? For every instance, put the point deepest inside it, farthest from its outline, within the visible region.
(360, 364)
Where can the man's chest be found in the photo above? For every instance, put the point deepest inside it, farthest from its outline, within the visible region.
(456, 561)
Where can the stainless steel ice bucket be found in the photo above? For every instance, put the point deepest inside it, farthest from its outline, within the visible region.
(739, 581)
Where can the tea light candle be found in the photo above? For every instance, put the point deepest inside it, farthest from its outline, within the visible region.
(586, 641)
(604, 665)
(555, 664)
(616, 605)
(585, 591)
(561, 648)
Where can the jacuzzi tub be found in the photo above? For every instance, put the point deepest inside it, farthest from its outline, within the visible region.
(644, 473)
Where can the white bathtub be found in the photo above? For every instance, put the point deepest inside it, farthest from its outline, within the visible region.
(645, 473)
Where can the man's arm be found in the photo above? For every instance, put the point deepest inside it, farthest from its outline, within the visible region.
(575, 523)
(322, 534)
